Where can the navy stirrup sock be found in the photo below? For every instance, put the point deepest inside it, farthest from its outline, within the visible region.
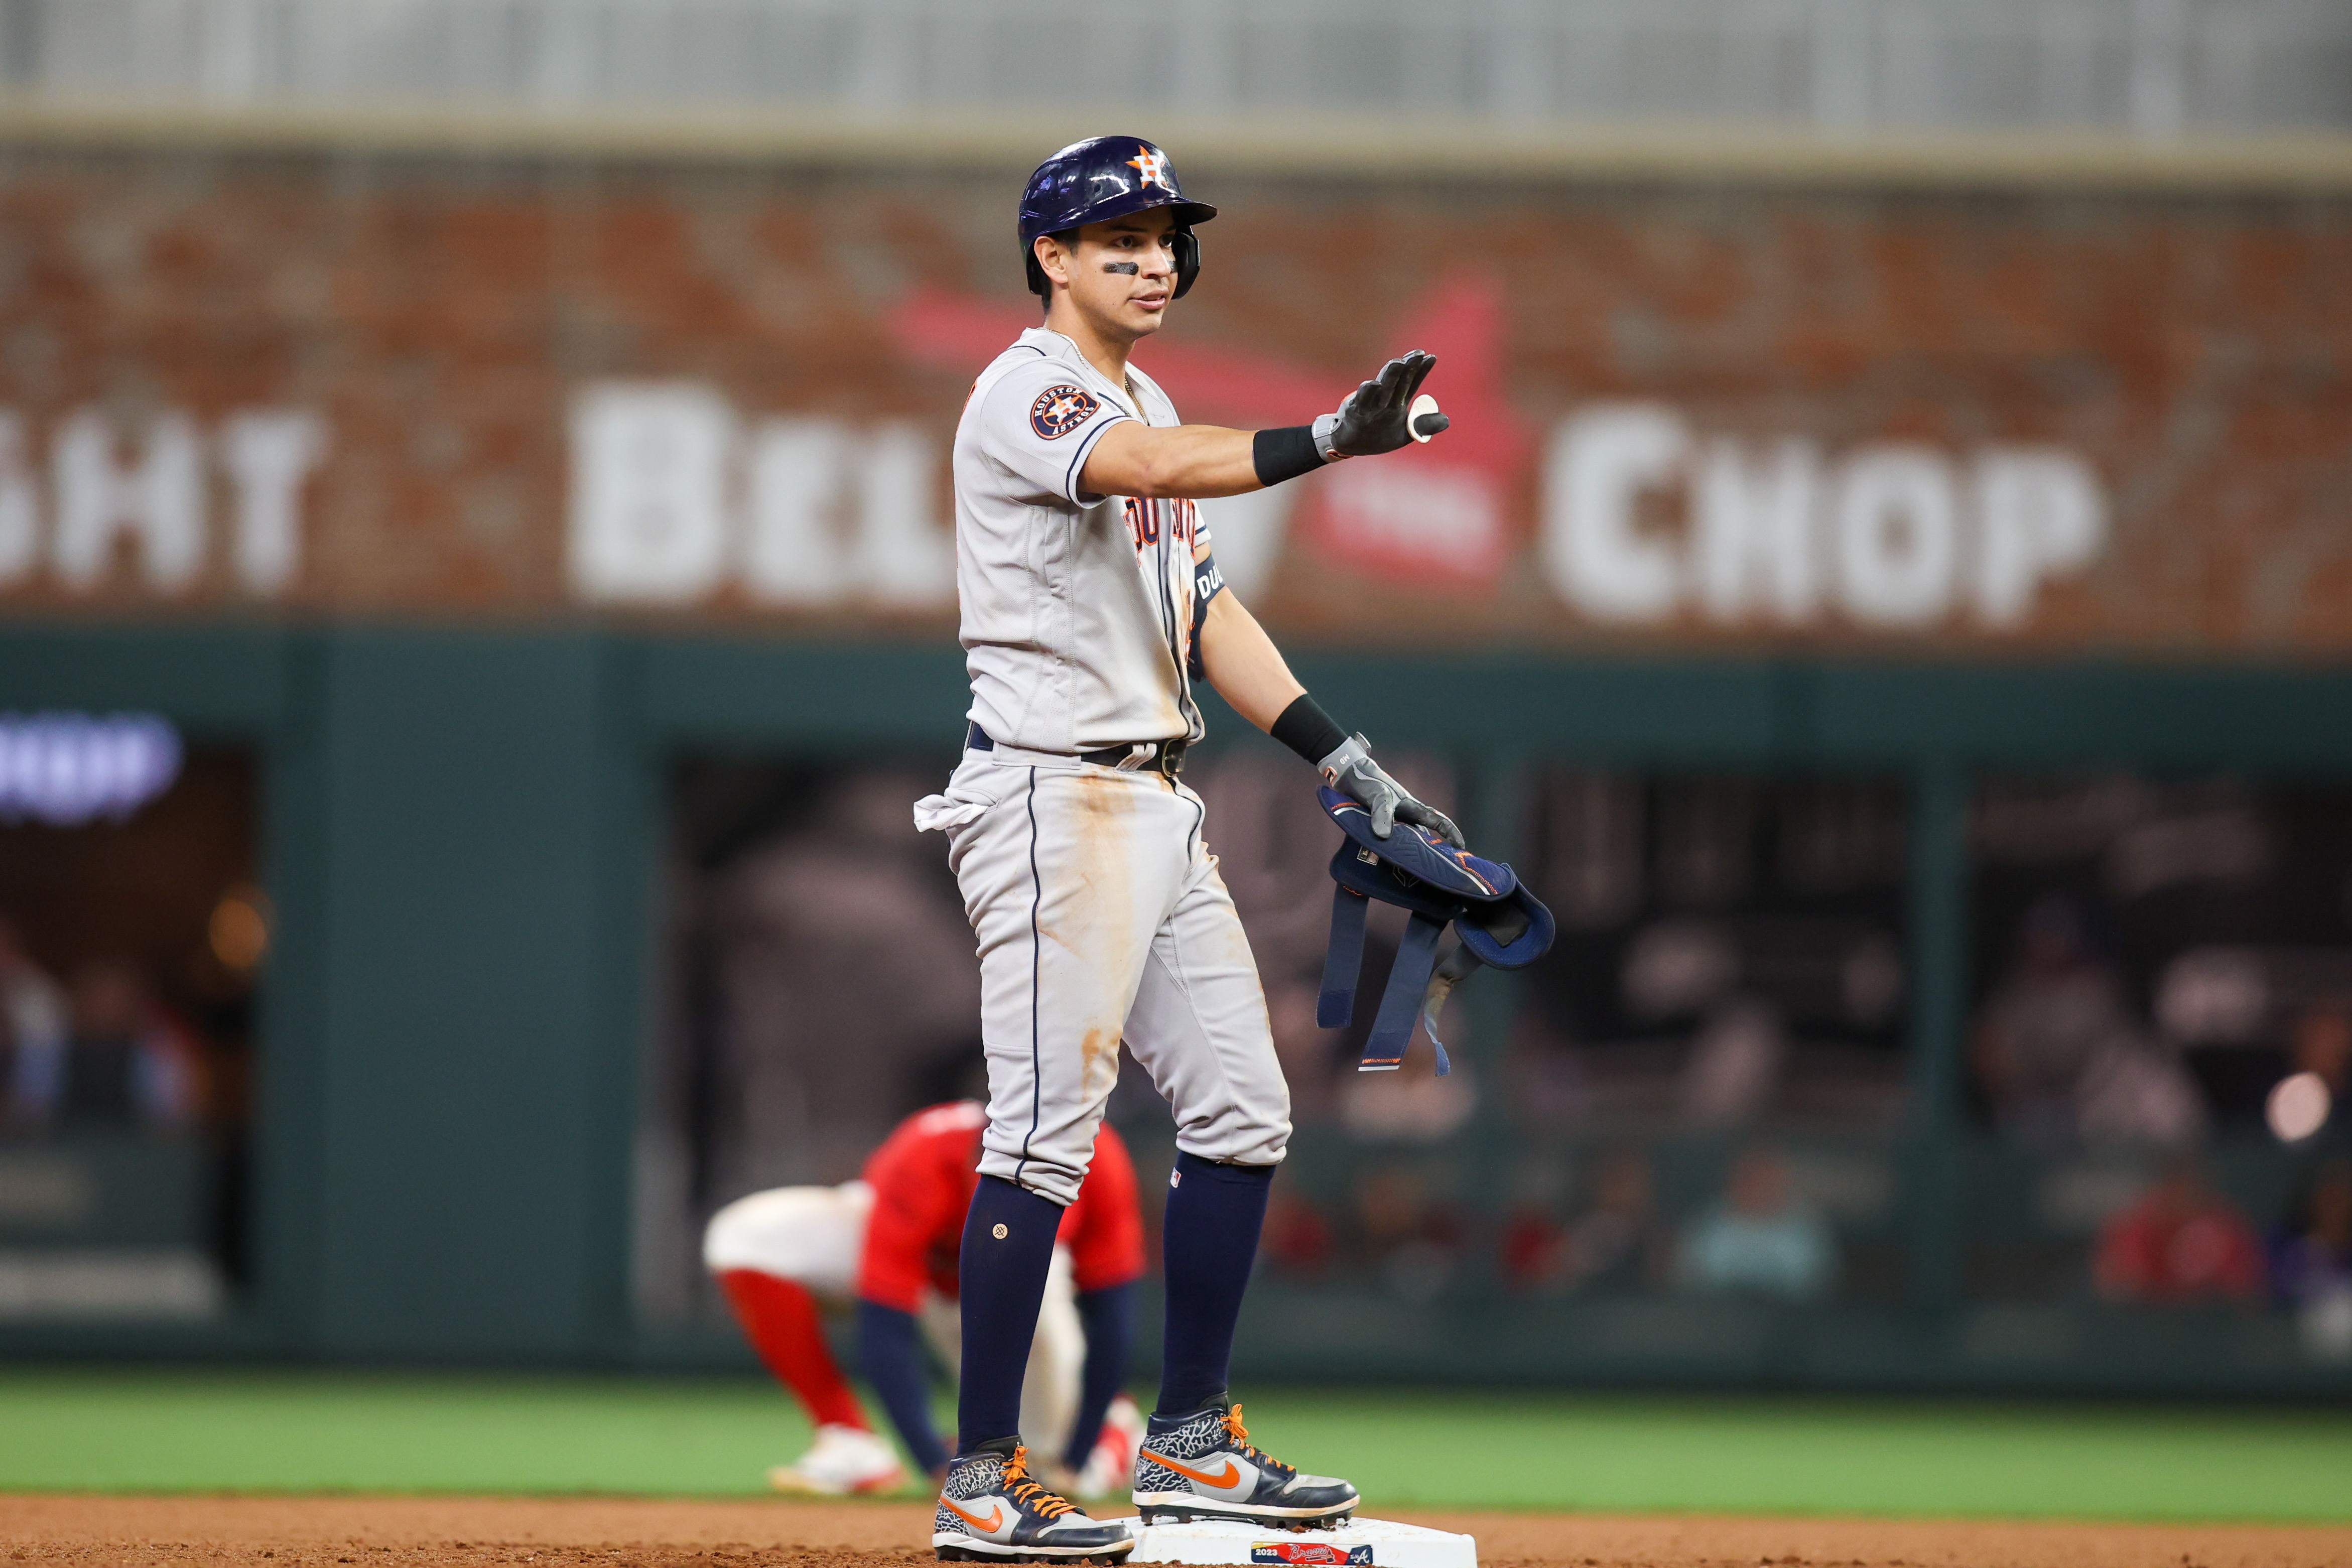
(1008, 1246)
(1208, 1242)
(1108, 1318)
(890, 1349)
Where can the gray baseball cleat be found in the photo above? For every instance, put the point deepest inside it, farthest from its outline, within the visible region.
(991, 1512)
(1203, 1465)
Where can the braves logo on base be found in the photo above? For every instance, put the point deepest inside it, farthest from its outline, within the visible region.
(1060, 410)
(1315, 1552)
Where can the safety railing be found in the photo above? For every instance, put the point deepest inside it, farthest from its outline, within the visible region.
(2152, 70)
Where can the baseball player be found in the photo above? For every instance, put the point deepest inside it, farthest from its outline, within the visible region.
(1090, 605)
(888, 1241)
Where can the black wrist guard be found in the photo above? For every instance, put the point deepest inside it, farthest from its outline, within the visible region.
(1284, 453)
(1306, 729)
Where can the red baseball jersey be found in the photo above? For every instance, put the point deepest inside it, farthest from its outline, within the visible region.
(922, 1178)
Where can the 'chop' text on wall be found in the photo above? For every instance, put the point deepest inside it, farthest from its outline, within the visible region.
(1895, 535)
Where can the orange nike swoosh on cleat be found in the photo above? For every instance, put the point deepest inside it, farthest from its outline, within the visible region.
(1233, 1472)
(994, 1522)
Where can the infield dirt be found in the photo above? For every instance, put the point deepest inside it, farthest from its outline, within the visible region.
(428, 1533)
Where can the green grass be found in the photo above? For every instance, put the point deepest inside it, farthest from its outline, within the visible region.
(1892, 1456)
(339, 1432)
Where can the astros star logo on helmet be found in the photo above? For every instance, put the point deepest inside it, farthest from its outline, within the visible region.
(1152, 167)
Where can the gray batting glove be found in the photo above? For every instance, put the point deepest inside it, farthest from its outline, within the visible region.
(1351, 771)
(1380, 415)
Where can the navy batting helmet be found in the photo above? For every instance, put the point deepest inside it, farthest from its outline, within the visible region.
(1101, 178)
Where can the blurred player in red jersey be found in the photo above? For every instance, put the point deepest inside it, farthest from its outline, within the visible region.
(889, 1240)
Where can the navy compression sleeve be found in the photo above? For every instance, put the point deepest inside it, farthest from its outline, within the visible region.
(1109, 1316)
(890, 1349)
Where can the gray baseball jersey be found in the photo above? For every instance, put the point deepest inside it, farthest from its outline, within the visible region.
(1080, 611)
(1100, 915)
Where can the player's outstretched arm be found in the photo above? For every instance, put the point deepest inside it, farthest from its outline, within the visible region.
(1200, 462)
(1242, 662)
(1184, 462)
(1250, 673)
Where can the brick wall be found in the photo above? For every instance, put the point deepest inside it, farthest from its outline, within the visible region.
(1730, 418)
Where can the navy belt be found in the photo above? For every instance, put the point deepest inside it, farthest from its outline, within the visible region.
(1167, 758)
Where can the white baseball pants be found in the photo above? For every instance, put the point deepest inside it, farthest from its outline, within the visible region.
(1101, 919)
(815, 1237)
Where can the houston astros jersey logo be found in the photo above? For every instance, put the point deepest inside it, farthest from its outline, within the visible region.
(1150, 167)
(1061, 409)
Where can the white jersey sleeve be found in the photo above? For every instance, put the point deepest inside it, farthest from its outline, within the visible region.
(1037, 424)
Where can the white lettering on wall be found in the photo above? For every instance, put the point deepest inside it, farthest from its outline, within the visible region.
(1897, 521)
(649, 492)
(792, 555)
(2040, 515)
(672, 496)
(267, 454)
(675, 497)
(155, 500)
(1642, 519)
(144, 491)
(1596, 555)
(1752, 550)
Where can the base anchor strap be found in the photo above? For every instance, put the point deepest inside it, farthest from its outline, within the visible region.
(1401, 1001)
(1343, 960)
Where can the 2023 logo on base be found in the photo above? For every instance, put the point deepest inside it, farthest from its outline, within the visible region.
(1060, 410)
(1310, 1552)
